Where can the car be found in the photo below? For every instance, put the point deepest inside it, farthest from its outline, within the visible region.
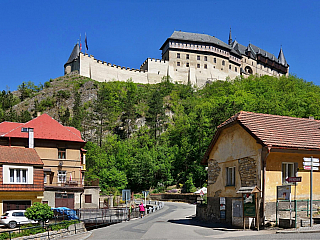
(13, 218)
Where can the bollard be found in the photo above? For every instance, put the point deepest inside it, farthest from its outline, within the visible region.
(75, 228)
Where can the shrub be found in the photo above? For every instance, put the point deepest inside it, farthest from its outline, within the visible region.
(39, 211)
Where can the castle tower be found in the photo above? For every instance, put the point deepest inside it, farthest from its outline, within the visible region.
(230, 38)
(281, 58)
(73, 62)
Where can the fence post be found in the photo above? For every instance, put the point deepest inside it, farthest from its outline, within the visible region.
(48, 233)
(277, 202)
(75, 228)
(10, 235)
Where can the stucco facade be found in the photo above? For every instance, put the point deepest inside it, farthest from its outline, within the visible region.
(240, 155)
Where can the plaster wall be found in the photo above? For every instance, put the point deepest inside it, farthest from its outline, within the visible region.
(95, 193)
(233, 144)
(274, 176)
(14, 196)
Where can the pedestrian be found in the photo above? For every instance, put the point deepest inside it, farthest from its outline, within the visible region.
(141, 209)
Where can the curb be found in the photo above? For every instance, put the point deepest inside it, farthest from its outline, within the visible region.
(80, 236)
(299, 231)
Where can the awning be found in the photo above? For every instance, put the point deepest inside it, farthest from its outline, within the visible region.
(249, 190)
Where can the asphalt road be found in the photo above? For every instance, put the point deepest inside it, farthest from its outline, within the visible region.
(174, 221)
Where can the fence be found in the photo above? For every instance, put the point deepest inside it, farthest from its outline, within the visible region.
(304, 206)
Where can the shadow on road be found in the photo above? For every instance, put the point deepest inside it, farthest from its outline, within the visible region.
(191, 220)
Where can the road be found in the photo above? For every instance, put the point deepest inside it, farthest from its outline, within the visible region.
(174, 221)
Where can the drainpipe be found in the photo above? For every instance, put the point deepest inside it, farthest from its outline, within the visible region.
(80, 199)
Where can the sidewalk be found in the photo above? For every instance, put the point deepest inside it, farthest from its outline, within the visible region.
(80, 236)
(314, 229)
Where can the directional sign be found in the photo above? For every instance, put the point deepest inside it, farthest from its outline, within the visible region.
(309, 168)
(309, 159)
(293, 179)
(315, 164)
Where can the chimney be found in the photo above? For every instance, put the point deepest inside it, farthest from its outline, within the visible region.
(31, 137)
(311, 117)
(38, 114)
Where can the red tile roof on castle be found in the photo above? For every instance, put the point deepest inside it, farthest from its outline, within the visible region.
(45, 127)
(280, 131)
(18, 155)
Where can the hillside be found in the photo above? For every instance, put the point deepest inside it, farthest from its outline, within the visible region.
(141, 136)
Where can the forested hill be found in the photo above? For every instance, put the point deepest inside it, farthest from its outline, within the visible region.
(151, 136)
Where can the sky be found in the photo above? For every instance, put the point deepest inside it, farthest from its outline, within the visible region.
(37, 37)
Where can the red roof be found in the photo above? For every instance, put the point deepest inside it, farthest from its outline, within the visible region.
(17, 155)
(281, 131)
(44, 127)
(275, 131)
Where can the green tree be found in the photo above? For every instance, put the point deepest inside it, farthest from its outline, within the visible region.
(39, 212)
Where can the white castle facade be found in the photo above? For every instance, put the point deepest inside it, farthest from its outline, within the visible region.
(187, 58)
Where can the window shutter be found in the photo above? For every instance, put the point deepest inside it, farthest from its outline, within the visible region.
(296, 169)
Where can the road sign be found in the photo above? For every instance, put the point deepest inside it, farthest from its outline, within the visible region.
(309, 168)
(293, 179)
(315, 160)
(201, 193)
(314, 164)
(126, 195)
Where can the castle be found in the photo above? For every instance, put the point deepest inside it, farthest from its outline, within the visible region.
(187, 58)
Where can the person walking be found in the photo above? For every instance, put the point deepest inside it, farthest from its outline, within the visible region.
(141, 209)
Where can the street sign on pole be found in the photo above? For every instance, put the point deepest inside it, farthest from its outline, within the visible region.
(309, 168)
(293, 179)
(315, 160)
(315, 164)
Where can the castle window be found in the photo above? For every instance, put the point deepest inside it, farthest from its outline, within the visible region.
(215, 60)
(178, 63)
(187, 64)
(205, 58)
(205, 66)
(230, 67)
(236, 69)
(198, 65)
(187, 56)
(198, 57)
(223, 62)
(178, 55)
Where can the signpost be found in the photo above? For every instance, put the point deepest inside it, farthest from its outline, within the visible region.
(145, 194)
(293, 179)
(311, 164)
(126, 196)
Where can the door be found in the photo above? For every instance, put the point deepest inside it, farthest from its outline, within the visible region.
(65, 200)
(16, 205)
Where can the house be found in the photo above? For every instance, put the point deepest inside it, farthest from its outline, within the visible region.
(255, 150)
(21, 178)
(61, 150)
(187, 58)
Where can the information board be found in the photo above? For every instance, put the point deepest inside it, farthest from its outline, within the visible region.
(249, 205)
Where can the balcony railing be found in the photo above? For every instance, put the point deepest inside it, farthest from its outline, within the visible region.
(73, 182)
(22, 187)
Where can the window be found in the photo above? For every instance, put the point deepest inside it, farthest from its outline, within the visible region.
(289, 169)
(61, 153)
(215, 60)
(198, 65)
(187, 64)
(44, 178)
(62, 175)
(178, 55)
(235, 69)
(18, 175)
(205, 58)
(205, 66)
(230, 176)
(178, 63)
(88, 198)
(223, 62)
(187, 56)
(198, 57)
(230, 67)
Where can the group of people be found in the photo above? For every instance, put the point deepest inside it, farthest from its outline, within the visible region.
(141, 210)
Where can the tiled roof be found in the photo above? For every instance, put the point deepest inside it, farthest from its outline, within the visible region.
(17, 155)
(279, 131)
(44, 127)
(7, 126)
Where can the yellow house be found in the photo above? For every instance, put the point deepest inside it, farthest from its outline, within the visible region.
(260, 150)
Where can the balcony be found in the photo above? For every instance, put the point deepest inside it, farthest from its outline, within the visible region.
(70, 184)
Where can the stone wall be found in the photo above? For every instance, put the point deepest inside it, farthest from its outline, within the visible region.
(213, 171)
(248, 172)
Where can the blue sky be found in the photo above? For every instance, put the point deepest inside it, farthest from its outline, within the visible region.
(37, 37)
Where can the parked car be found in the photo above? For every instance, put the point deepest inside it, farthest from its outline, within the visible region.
(13, 218)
